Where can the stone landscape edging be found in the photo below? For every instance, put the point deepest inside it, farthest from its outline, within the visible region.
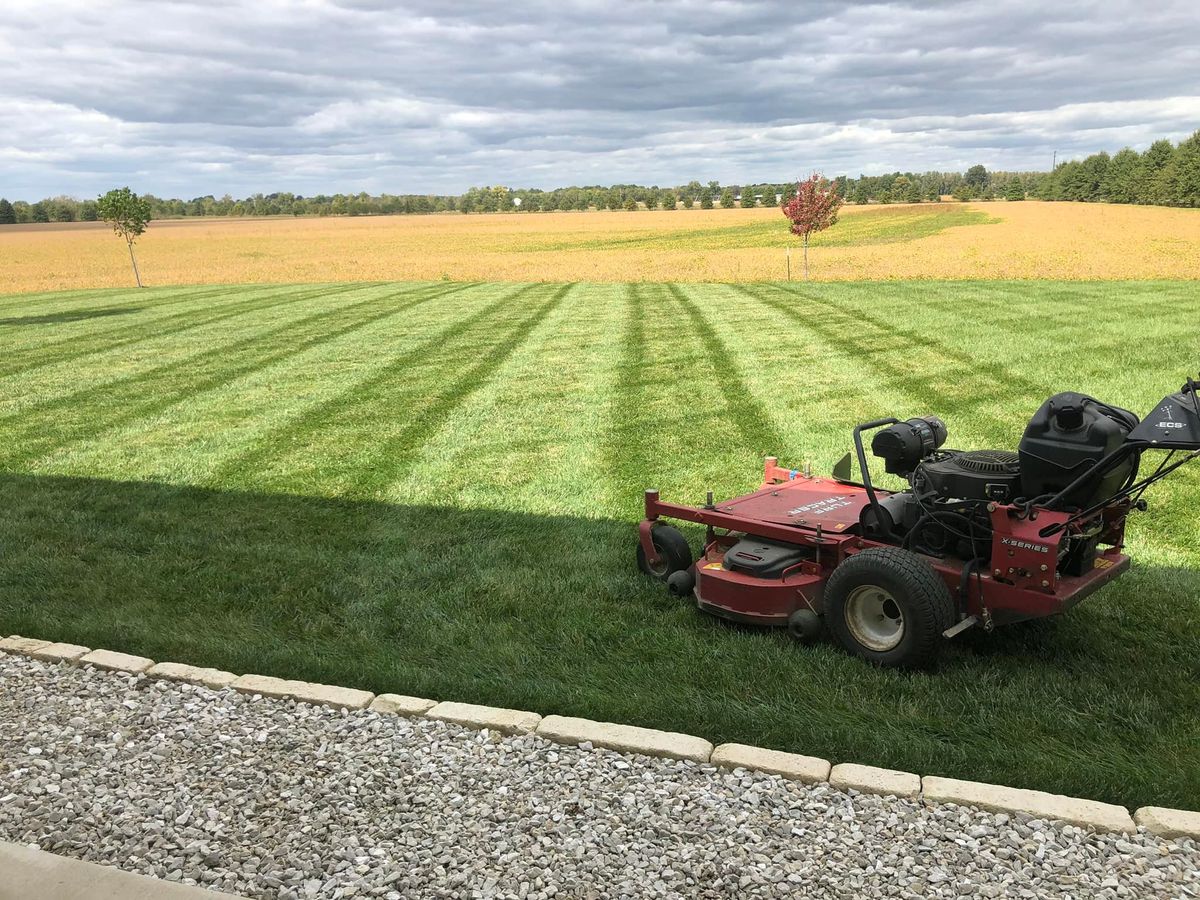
(1101, 817)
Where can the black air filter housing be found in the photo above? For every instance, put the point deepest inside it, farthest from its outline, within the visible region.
(972, 475)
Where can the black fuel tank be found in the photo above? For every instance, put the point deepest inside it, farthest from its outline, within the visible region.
(1070, 433)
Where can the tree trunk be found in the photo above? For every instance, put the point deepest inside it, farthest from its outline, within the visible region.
(806, 257)
(134, 261)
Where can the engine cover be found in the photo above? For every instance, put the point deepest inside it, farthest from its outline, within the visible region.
(971, 475)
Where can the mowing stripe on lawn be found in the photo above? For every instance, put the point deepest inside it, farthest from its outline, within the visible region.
(244, 469)
(969, 374)
(181, 363)
(153, 298)
(37, 441)
(103, 345)
(172, 293)
(102, 337)
(743, 409)
(390, 459)
(942, 392)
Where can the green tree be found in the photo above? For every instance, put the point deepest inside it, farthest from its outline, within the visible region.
(962, 193)
(667, 200)
(1180, 178)
(934, 195)
(859, 194)
(88, 211)
(706, 200)
(128, 214)
(1119, 184)
(1148, 184)
(1015, 190)
(8, 216)
(689, 201)
(39, 212)
(630, 205)
(727, 200)
(977, 177)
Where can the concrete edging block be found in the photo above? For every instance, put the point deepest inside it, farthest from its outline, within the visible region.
(112, 661)
(509, 721)
(809, 769)
(1072, 810)
(1169, 823)
(401, 705)
(306, 692)
(60, 652)
(14, 643)
(209, 678)
(626, 738)
(872, 780)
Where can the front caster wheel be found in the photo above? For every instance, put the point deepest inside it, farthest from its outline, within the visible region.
(804, 626)
(673, 552)
(890, 607)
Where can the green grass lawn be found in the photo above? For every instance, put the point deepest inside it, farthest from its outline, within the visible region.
(432, 489)
(878, 225)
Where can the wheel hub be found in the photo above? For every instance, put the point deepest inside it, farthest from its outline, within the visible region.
(874, 618)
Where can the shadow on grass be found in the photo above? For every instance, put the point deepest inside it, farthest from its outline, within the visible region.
(548, 613)
(70, 315)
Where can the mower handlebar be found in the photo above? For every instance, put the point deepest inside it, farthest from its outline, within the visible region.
(874, 423)
(866, 472)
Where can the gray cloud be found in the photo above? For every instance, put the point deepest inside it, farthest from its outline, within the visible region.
(183, 98)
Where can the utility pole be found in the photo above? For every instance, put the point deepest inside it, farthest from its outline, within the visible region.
(1054, 164)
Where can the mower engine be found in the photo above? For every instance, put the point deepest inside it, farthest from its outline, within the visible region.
(946, 510)
(978, 537)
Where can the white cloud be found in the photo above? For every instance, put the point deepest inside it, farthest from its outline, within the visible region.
(196, 97)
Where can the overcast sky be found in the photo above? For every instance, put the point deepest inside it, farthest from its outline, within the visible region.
(185, 99)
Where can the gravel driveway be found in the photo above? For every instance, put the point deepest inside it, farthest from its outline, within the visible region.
(276, 799)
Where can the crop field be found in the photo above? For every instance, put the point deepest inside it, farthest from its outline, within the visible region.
(432, 488)
(1028, 240)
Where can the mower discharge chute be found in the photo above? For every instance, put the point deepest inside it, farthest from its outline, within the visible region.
(979, 537)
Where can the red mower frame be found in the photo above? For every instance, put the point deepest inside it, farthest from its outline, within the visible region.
(1025, 587)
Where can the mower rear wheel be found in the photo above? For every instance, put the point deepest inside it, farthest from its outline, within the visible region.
(890, 607)
(673, 550)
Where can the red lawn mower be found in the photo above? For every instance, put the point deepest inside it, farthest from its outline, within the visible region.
(979, 537)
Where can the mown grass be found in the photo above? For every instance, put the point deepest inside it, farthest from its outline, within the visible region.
(863, 228)
(431, 489)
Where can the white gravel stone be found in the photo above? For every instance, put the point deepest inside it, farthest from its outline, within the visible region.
(1169, 823)
(789, 765)
(506, 721)
(627, 738)
(1073, 810)
(872, 780)
(210, 678)
(402, 705)
(278, 799)
(59, 652)
(16, 644)
(116, 662)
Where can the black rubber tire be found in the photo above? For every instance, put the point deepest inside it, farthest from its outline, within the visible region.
(926, 607)
(672, 546)
(804, 626)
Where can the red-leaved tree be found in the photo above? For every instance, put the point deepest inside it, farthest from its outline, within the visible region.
(813, 208)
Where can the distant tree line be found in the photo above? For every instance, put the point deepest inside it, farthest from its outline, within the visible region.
(1165, 174)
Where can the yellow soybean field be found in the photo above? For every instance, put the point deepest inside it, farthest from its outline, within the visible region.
(1027, 240)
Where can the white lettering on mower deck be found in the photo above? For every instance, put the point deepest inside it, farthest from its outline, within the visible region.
(821, 506)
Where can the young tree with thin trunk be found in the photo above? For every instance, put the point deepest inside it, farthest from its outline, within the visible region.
(813, 208)
(129, 215)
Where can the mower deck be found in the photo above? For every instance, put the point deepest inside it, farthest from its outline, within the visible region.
(822, 516)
